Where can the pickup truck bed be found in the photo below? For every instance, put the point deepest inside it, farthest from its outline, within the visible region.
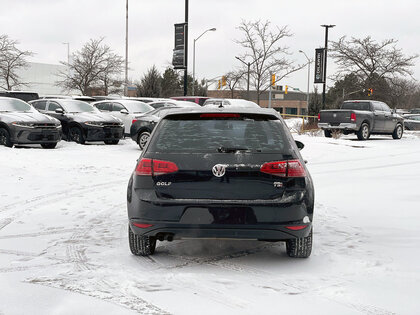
(362, 118)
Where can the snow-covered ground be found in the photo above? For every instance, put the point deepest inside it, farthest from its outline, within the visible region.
(64, 249)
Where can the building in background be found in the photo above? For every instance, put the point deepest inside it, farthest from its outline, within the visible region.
(294, 102)
(42, 78)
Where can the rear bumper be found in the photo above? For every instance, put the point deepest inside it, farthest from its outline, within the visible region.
(232, 219)
(221, 231)
(348, 126)
(35, 135)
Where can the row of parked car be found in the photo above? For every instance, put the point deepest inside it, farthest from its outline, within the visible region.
(49, 119)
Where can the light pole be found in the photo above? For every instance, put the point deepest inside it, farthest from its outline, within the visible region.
(209, 30)
(309, 74)
(68, 52)
(68, 57)
(325, 63)
(186, 50)
(248, 64)
(126, 50)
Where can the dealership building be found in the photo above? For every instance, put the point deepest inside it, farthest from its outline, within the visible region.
(293, 102)
(42, 78)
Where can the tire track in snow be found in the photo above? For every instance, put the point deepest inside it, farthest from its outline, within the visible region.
(50, 198)
(102, 290)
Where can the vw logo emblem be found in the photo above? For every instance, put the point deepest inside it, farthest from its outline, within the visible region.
(219, 170)
(334, 115)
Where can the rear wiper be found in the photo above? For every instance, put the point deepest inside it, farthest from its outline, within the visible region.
(231, 149)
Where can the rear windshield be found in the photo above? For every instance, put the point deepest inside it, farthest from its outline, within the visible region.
(356, 105)
(137, 107)
(211, 135)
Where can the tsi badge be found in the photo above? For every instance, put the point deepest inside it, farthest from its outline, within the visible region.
(278, 184)
(163, 183)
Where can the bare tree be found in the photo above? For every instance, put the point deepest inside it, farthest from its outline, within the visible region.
(234, 79)
(263, 49)
(94, 66)
(370, 60)
(11, 60)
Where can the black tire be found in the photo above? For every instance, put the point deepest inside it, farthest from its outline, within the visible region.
(49, 145)
(142, 139)
(113, 142)
(76, 135)
(363, 133)
(398, 132)
(299, 247)
(5, 138)
(141, 245)
(327, 133)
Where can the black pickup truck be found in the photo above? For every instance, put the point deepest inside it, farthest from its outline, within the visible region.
(362, 118)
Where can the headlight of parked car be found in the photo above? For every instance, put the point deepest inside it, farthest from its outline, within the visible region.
(23, 124)
(94, 123)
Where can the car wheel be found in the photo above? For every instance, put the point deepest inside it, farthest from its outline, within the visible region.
(141, 245)
(111, 141)
(76, 135)
(5, 138)
(327, 133)
(299, 247)
(398, 132)
(49, 145)
(363, 133)
(142, 139)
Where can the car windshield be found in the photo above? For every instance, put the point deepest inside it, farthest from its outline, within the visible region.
(74, 106)
(14, 105)
(356, 105)
(137, 107)
(247, 133)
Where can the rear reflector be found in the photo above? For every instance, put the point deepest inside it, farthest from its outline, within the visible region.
(149, 167)
(217, 115)
(353, 117)
(142, 225)
(292, 168)
(296, 227)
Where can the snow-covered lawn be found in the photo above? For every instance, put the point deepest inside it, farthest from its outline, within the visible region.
(64, 249)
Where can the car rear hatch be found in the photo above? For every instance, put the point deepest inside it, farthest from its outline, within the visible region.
(239, 157)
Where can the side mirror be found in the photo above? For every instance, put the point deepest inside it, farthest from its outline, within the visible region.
(59, 111)
(300, 145)
(124, 111)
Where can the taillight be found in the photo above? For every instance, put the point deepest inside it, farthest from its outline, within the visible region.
(296, 227)
(319, 116)
(217, 115)
(292, 168)
(142, 225)
(353, 117)
(133, 121)
(149, 167)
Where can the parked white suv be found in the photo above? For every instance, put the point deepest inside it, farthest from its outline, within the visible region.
(126, 110)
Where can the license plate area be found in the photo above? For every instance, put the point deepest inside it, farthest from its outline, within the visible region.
(218, 215)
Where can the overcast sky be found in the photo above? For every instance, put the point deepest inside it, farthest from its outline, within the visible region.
(43, 25)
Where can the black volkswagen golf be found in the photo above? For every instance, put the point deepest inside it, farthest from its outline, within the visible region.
(21, 124)
(81, 121)
(221, 173)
